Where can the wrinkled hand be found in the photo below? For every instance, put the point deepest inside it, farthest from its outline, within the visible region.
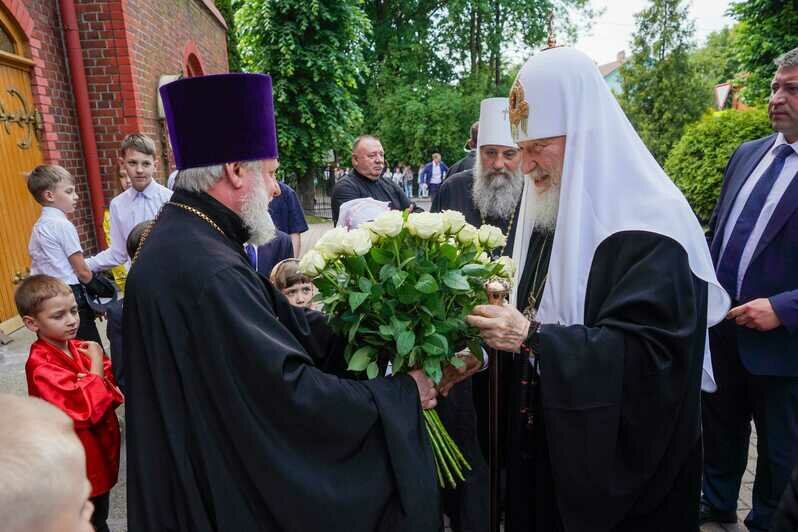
(426, 389)
(452, 375)
(502, 328)
(757, 314)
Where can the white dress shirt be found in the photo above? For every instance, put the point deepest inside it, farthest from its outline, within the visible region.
(53, 240)
(774, 197)
(128, 209)
(436, 173)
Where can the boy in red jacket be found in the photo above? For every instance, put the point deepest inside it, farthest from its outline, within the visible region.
(76, 377)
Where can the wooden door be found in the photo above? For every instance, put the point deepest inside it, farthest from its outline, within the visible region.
(19, 154)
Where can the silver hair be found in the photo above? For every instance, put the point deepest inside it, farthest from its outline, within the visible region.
(494, 196)
(788, 59)
(202, 178)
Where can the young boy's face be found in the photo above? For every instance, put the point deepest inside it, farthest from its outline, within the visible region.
(300, 294)
(139, 167)
(57, 320)
(63, 197)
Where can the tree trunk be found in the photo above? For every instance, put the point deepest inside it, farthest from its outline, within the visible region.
(307, 191)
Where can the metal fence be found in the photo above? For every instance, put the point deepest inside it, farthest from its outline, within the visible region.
(323, 186)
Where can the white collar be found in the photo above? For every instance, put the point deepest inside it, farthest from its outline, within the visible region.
(53, 212)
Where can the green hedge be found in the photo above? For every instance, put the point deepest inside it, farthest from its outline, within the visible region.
(697, 161)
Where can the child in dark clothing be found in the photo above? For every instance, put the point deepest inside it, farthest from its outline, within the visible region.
(113, 312)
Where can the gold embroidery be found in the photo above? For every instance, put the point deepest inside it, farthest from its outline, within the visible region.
(519, 109)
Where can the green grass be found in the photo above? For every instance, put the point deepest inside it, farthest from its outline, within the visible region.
(316, 220)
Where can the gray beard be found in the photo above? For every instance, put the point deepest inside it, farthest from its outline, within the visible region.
(496, 194)
(546, 208)
(256, 217)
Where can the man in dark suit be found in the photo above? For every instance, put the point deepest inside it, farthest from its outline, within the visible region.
(753, 238)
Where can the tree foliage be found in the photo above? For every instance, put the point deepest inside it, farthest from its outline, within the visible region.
(233, 56)
(767, 29)
(314, 51)
(662, 92)
(697, 161)
(715, 61)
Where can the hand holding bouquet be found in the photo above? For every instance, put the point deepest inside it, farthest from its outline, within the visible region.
(398, 289)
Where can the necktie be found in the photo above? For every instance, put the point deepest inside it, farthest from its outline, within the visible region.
(252, 255)
(730, 262)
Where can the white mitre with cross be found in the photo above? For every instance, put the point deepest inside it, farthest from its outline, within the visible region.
(494, 123)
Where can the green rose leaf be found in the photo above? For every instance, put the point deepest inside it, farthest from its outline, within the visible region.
(426, 284)
(356, 299)
(426, 266)
(386, 332)
(372, 370)
(476, 349)
(399, 279)
(364, 284)
(449, 251)
(356, 265)
(475, 270)
(432, 367)
(354, 328)
(361, 359)
(457, 362)
(405, 342)
(381, 256)
(440, 341)
(432, 349)
(456, 281)
(387, 271)
(398, 363)
(429, 329)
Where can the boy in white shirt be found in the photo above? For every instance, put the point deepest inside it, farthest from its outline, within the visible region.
(54, 245)
(139, 203)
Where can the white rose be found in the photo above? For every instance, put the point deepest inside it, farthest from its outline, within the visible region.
(491, 236)
(508, 267)
(357, 242)
(467, 235)
(425, 224)
(388, 224)
(483, 258)
(330, 245)
(453, 221)
(375, 236)
(312, 264)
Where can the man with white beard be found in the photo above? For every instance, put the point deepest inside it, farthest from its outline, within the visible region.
(490, 192)
(608, 318)
(232, 425)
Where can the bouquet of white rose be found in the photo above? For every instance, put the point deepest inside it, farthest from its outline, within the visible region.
(399, 289)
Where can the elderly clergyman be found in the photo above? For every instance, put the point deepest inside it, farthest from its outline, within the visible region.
(614, 321)
(232, 425)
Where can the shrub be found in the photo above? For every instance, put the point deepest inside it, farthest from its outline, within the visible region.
(697, 161)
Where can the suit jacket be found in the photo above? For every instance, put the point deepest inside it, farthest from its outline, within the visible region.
(773, 272)
(269, 254)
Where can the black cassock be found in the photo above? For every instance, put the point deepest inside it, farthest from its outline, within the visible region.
(614, 442)
(354, 185)
(231, 425)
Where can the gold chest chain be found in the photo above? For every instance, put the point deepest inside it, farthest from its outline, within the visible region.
(183, 206)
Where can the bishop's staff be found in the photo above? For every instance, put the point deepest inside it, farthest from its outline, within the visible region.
(497, 290)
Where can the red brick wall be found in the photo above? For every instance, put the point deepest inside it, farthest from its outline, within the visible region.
(162, 34)
(127, 45)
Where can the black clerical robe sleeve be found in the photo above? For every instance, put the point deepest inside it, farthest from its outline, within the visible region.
(315, 448)
(345, 190)
(621, 393)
